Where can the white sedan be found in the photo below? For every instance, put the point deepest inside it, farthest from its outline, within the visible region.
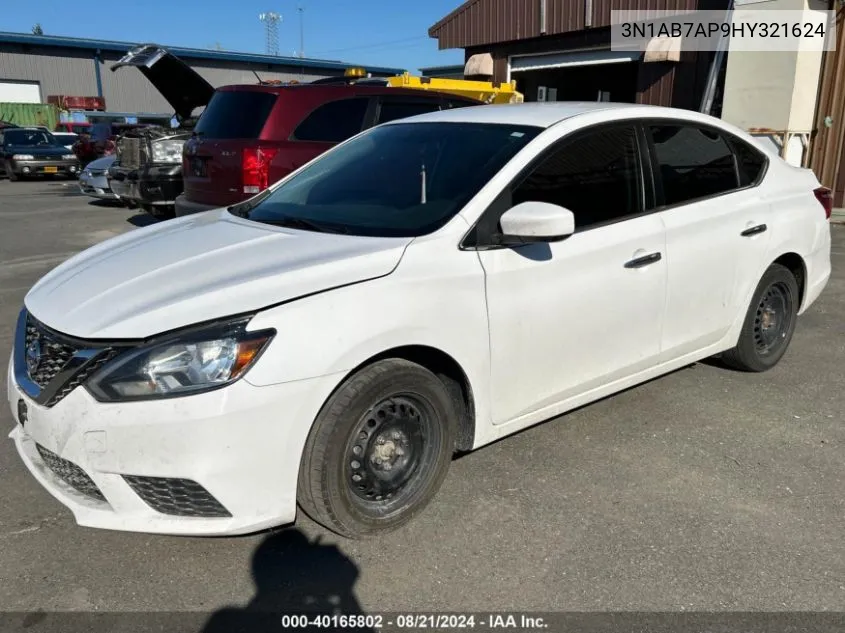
(424, 288)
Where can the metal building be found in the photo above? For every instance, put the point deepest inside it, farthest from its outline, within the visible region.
(560, 50)
(33, 67)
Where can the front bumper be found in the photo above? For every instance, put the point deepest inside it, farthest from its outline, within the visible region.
(241, 444)
(96, 186)
(151, 185)
(45, 167)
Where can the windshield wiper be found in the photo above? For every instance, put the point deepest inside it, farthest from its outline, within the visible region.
(242, 209)
(308, 225)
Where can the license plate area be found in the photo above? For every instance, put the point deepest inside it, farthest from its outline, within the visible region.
(51, 170)
(198, 167)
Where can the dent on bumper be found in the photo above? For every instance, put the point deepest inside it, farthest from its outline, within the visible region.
(242, 444)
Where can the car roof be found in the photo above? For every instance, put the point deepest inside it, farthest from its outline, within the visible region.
(332, 89)
(550, 113)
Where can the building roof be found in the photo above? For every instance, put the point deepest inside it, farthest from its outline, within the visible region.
(55, 41)
(548, 114)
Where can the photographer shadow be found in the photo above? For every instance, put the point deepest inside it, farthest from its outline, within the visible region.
(294, 577)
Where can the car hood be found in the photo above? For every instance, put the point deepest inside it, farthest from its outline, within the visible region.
(101, 163)
(182, 87)
(199, 268)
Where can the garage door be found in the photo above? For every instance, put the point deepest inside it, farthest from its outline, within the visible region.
(20, 92)
(572, 59)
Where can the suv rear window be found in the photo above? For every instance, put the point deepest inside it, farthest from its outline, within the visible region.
(235, 114)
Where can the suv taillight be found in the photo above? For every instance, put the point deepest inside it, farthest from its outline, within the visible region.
(825, 198)
(256, 168)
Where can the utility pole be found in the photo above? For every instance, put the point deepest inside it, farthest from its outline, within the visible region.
(301, 31)
(271, 31)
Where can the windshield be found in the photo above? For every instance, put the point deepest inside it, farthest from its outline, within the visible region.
(29, 138)
(400, 180)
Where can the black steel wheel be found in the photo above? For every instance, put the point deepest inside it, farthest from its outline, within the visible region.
(769, 324)
(378, 451)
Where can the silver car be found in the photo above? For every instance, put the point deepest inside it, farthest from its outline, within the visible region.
(93, 181)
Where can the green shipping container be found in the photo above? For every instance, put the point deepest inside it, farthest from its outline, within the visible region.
(26, 114)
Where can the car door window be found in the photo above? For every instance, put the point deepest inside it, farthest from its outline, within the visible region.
(750, 161)
(596, 176)
(692, 163)
(392, 110)
(333, 122)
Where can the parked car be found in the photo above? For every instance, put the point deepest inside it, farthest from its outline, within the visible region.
(94, 181)
(429, 286)
(26, 152)
(252, 136)
(66, 139)
(148, 169)
(245, 138)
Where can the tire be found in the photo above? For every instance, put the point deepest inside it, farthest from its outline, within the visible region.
(13, 177)
(769, 323)
(378, 451)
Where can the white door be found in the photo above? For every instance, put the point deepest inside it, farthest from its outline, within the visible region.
(569, 316)
(716, 231)
(20, 92)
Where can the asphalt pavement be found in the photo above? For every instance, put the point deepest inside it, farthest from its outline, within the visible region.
(706, 489)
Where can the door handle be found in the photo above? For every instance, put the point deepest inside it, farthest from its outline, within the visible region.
(643, 261)
(754, 230)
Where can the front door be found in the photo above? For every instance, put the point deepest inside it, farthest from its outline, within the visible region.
(570, 316)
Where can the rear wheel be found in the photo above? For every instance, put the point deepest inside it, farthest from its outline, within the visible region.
(769, 323)
(379, 450)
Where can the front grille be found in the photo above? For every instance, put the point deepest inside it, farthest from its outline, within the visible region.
(131, 152)
(178, 497)
(54, 355)
(54, 364)
(81, 376)
(70, 473)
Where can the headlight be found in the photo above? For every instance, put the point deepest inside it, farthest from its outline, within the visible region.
(69, 157)
(167, 151)
(23, 157)
(189, 363)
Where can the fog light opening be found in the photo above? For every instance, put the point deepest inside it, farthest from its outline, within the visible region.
(25, 170)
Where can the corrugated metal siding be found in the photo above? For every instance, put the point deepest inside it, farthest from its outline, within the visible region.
(126, 90)
(70, 74)
(828, 145)
(496, 21)
(602, 8)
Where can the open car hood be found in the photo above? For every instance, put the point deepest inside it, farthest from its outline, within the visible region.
(182, 87)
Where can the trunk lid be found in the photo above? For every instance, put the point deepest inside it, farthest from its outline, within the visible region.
(182, 87)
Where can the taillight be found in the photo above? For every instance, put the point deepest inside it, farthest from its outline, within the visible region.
(256, 168)
(825, 198)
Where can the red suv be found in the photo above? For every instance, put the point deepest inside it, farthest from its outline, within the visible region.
(250, 136)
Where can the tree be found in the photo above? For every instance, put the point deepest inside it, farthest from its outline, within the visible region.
(37, 30)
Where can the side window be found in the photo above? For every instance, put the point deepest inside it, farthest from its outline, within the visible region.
(751, 162)
(596, 176)
(692, 163)
(333, 122)
(392, 110)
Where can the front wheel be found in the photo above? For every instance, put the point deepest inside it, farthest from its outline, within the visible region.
(379, 450)
(13, 177)
(769, 323)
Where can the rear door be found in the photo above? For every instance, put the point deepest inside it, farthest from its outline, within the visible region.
(212, 166)
(325, 126)
(716, 229)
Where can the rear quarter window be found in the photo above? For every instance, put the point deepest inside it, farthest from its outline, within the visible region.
(236, 114)
(333, 122)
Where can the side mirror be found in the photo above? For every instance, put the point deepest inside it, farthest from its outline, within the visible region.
(531, 222)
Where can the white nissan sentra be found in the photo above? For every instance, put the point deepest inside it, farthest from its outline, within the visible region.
(422, 289)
